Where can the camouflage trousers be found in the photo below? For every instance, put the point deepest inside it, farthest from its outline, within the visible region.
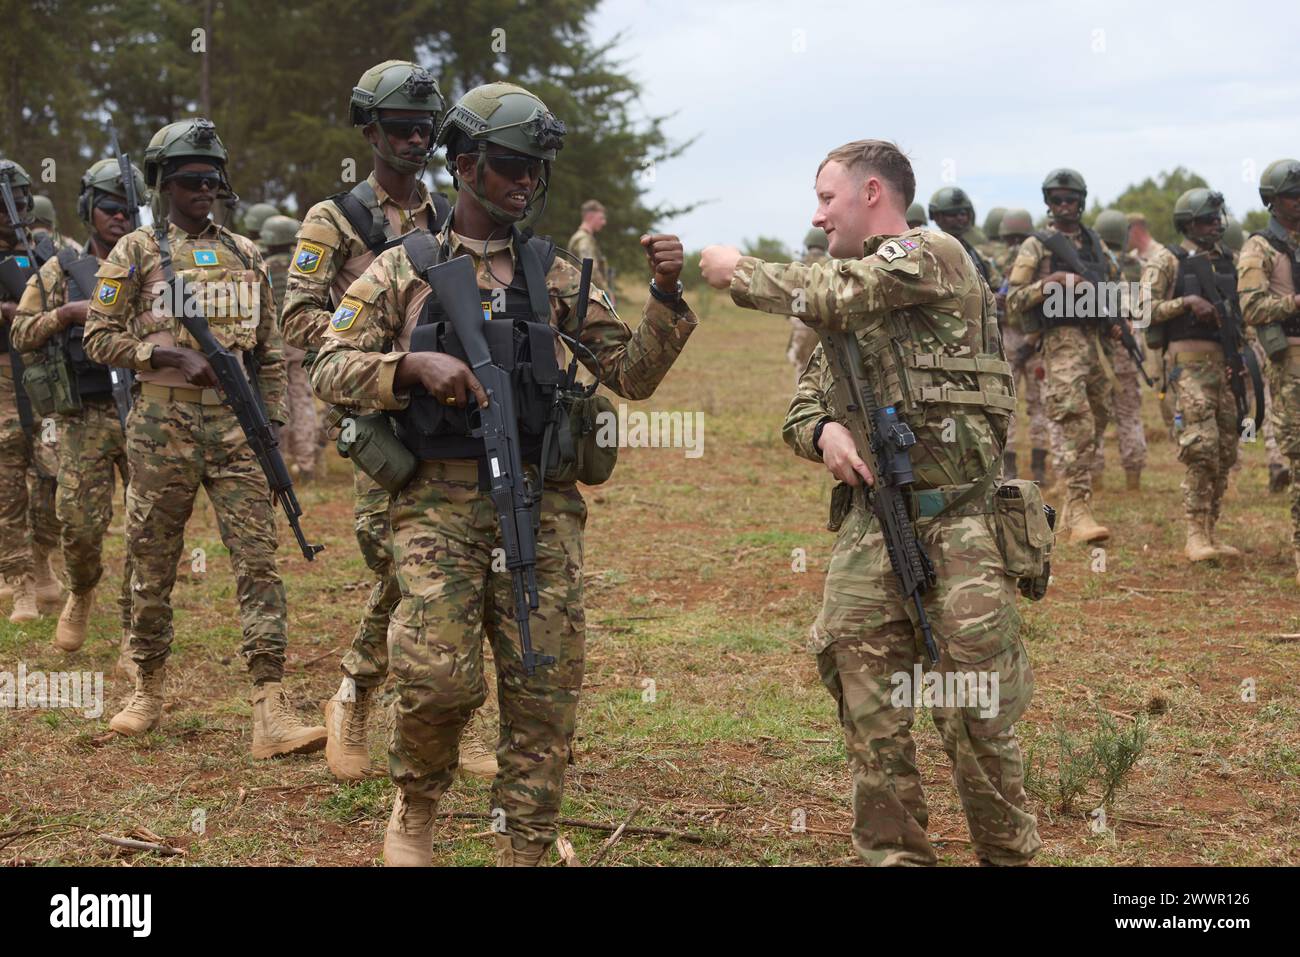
(1275, 455)
(1128, 417)
(1207, 442)
(366, 660)
(1027, 367)
(1284, 385)
(802, 343)
(445, 532)
(865, 637)
(27, 470)
(1078, 400)
(173, 449)
(302, 433)
(92, 454)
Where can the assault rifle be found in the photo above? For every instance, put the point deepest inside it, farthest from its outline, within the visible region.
(16, 278)
(122, 378)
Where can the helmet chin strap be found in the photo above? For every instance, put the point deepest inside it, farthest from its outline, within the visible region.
(503, 216)
(399, 163)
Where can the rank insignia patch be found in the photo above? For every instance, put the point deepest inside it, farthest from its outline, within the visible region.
(205, 257)
(308, 257)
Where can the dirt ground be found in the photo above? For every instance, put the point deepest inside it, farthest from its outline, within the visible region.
(701, 704)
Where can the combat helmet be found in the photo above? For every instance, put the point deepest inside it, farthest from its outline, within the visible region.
(1234, 236)
(396, 85)
(1015, 222)
(1279, 176)
(43, 211)
(192, 139)
(1112, 227)
(105, 176)
(279, 231)
(916, 215)
(816, 238)
(255, 218)
(951, 199)
(1195, 203)
(511, 117)
(993, 221)
(1066, 178)
(21, 185)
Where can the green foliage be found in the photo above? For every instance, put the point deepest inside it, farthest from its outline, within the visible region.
(1155, 200)
(1254, 221)
(768, 249)
(1116, 751)
(1075, 765)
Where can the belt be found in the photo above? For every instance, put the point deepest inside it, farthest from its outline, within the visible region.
(929, 502)
(168, 393)
(449, 470)
(1195, 355)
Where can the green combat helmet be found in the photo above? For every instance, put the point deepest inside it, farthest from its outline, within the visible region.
(916, 215)
(105, 176)
(1234, 236)
(951, 199)
(192, 139)
(1279, 176)
(1066, 178)
(256, 218)
(508, 116)
(43, 211)
(993, 221)
(1112, 227)
(816, 239)
(1015, 223)
(1199, 202)
(280, 231)
(396, 85)
(21, 185)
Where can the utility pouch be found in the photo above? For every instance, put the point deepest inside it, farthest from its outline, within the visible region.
(1024, 530)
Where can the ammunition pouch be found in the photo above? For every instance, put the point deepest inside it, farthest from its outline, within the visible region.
(1024, 531)
(1272, 339)
(51, 384)
(577, 454)
(369, 441)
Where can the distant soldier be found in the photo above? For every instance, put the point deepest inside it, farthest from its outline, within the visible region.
(1267, 285)
(1112, 227)
(253, 220)
(583, 243)
(1014, 228)
(916, 215)
(802, 339)
(953, 212)
(993, 248)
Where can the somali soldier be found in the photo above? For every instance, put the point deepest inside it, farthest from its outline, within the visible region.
(802, 339)
(92, 446)
(397, 106)
(302, 434)
(1267, 286)
(583, 243)
(1078, 392)
(1191, 334)
(916, 215)
(180, 434)
(1112, 227)
(29, 529)
(953, 212)
(1014, 228)
(927, 325)
(253, 220)
(500, 141)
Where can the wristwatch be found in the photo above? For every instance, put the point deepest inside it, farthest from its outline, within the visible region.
(668, 299)
(817, 433)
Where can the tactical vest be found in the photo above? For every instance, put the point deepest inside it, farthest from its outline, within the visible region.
(1275, 238)
(1095, 260)
(521, 340)
(980, 266)
(1185, 325)
(92, 379)
(360, 207)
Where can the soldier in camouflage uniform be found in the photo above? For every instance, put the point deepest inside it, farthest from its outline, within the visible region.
(92, 447)
(953, 212)
(181, 435)
(1112, 227)
(916, 215)
(301, 439)
(1270, 302)
(1078, 393)
(397, 106)
(29, 529)
(802, 339)
(1191, 332)
(1014, 227)
(445, 527)
(253, 220)
(583, 243)
(913, 295)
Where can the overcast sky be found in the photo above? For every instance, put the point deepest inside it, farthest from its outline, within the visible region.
(987, 96)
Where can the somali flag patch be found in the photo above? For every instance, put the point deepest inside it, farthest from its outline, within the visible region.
(205, 257)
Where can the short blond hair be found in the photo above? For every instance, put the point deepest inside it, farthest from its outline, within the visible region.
(592, 206)
(1136, 219)
(879, 158)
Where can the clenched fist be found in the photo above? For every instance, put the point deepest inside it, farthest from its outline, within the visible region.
(717, 263)
(665, 254)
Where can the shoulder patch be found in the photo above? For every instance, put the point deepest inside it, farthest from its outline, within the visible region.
(894, 249)
(346, 314)
(307, 257)
(107, 292)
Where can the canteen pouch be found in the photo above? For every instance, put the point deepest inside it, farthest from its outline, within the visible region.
(1024, 530)
(1273, 340)
(369, 441)
(50, 386)
(578, 454)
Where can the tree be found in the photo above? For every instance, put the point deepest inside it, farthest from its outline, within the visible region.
(768, 249)
(1155, 200)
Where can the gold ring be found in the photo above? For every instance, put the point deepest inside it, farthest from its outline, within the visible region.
(450, 400)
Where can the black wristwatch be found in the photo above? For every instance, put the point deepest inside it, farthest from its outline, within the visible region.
(668, 299)
(817, 433)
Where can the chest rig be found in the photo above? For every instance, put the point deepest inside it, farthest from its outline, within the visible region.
(1189, 283)
(360, 207)
(521, 340)
(1095, 263)
(92, 379)
(1278, 239)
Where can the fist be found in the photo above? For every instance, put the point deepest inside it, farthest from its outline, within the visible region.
(1201, 308)
(665, 255)
(717, 263)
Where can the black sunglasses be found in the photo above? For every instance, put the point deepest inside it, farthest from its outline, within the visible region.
(402, 128)
(111, 207)
(196, 181)
(515, 165)
(1062, 199)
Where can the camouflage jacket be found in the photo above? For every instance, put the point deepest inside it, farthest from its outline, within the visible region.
(277, 267)
(1032, 263)
(127, 319)
(583, 245)
(1159, 273)
(330, 256)
(382, 307)
(35, 323)
(1265, 285)
(927, 326)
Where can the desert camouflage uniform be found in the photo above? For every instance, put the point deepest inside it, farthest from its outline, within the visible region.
(1078, 393)
(91, 451)
(802, 339)
(1207, 443)
(179, 438)
(917, 292)
(1128, 395)
(302, 433)
(1266, 288)
(28, 466)
(583, 245)
(445, 530)
(1027, 367)
(330, 255)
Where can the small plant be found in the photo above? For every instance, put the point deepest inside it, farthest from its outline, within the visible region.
(1115, 752)
(1075, 766)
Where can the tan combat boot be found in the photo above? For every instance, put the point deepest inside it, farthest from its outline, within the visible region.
(48, 590)
(526, 854)
(1133, 480)
(126, 665)
(73, 622)
(346, 715)
(25, 608)
(276, 729)
(1198, 548)
(477, 760)
(144, 711)
(408, 841)
(1083, 527)
(1222, 549)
